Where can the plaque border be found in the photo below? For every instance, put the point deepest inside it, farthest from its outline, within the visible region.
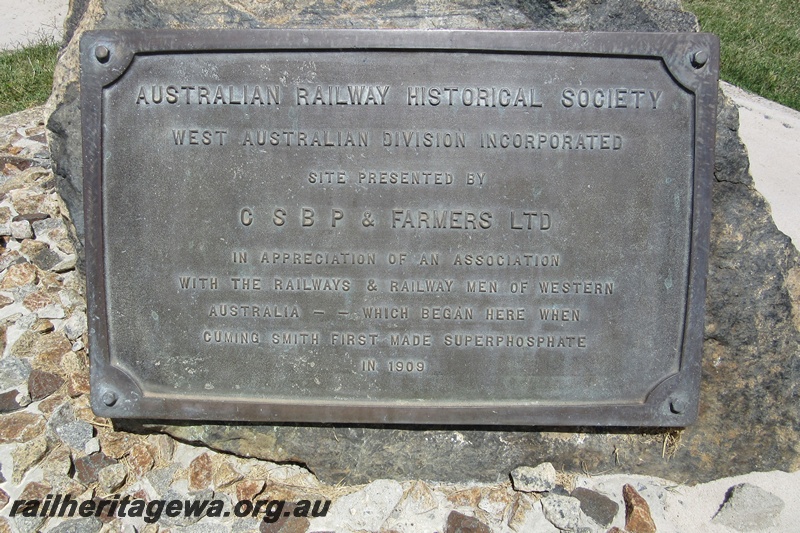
(691, 58)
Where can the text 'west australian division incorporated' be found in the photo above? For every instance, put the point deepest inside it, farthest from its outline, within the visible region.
(385, 227)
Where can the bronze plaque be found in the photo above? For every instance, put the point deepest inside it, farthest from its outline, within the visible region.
(397, 226)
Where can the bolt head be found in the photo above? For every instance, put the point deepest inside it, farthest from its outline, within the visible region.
(678, 405)
(699, 59)
(102, 53)
(109, 398)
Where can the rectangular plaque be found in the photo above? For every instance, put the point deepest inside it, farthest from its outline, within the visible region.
(397, 226)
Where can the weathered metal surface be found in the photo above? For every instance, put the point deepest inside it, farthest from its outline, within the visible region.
(397, 227)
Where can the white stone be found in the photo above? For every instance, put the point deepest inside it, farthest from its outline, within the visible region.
(21, 229)
(92, 446)
(10, 314)
(52, 311)
(562, 511)
(366, 509)
(541, 478)
(75, 325)
(749, 508)
(420, 509)
(66, 264)
(69, 298)
(27, 320)
(531, 519)
(13, 372)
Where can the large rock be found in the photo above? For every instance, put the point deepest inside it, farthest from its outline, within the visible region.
(748, 408)
(583, 15)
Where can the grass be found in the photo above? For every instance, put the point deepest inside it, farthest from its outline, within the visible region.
(760, 53)
(760, 44)
(26, 76)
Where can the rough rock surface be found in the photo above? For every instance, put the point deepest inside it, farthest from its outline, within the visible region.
(562, 511)
(596, 506)
(460, 523)
(540, 478)
(582, 15)
(156, 466)
(637, 512)
(749, 508)
(750, 363)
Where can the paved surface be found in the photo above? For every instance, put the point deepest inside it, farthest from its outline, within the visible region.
(771, 133)
(25, 21)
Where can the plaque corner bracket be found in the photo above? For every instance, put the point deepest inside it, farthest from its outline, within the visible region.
(116, 394)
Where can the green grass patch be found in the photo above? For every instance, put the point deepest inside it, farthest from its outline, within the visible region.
(26, 76)
(760, 44)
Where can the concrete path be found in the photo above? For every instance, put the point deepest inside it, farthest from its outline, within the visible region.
(23, 22)
(771, 133)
